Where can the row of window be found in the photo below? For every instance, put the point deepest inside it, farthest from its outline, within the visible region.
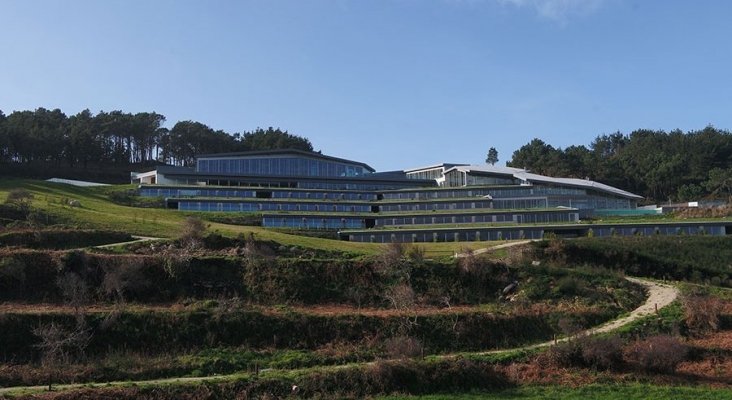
(528, 233)
(519, 204)
(519, 218)
(437, 194)
(312, 222)
(428, 174)
(375, 186)
(446, 236)
(324, 195)
(277, 194)
(489, 180)
(591, 202)
(287, 166)
(173, 192)
(458, 205)
(271, 206)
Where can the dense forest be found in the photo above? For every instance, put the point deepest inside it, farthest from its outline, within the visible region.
(662, 166)
(51, 138)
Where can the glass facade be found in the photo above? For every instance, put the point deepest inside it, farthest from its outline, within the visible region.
(278, 166)
(434, 173)
(520, 203)
(462, 235)
(351, 185)
(449, 205)
(507, 233)
(492, 218)
(475, 180)
(312, 222)
(436, 194)
(233, 206)
(309, 192)
(193, 192)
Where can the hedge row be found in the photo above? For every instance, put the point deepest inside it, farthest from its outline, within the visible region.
(154, 332)
(693, 258)
(61, 238)
(412, 377)
(32, 275)
(29, 275)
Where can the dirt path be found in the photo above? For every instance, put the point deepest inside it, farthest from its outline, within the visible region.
(497, 247)
(137, 239)
(659, 296)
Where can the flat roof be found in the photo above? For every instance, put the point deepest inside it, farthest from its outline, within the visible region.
(278, 152)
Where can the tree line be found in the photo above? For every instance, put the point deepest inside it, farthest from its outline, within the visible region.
(659, 165)
(120, 138)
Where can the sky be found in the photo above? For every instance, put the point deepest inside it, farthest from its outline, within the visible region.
(392, 83)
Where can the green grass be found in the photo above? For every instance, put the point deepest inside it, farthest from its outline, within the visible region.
(98, 212)
(599, 392)
(688, 288)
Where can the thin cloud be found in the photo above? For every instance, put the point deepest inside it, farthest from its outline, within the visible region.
(557, 10)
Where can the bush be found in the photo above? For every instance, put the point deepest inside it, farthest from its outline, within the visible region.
(597, 353)
(19, 196)
(192, 232)
(660, 353)
(403, 377)
(695, 258)
(603, 353)
(12, 273)
(566, 354)
(568, 286)
(61, 238)
(701, 315)
(403, 347)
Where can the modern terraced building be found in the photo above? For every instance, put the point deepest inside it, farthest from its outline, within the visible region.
(299, 190)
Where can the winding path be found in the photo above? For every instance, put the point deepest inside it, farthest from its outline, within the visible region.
(659, 296)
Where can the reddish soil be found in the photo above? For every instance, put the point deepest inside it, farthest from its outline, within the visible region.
(712, 367)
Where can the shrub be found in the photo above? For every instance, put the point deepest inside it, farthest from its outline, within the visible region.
(125, 279)
(597, 353)
(74, 290)
(416, 254)
(392, 263)
(469, 262)
(19, 197)
(401, 297)
(192, 232)
(603, 353)
(403, 347)
(568, 286)
(566, 354)
(701, 315)
(660, 353)
(12, 272)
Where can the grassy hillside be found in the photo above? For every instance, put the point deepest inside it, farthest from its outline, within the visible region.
(98, 212)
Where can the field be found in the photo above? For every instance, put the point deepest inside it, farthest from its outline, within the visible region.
(219, 310)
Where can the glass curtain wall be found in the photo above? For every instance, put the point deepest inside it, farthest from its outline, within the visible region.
(278, 166)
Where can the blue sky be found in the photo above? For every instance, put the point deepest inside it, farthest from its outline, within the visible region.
(393, 83)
